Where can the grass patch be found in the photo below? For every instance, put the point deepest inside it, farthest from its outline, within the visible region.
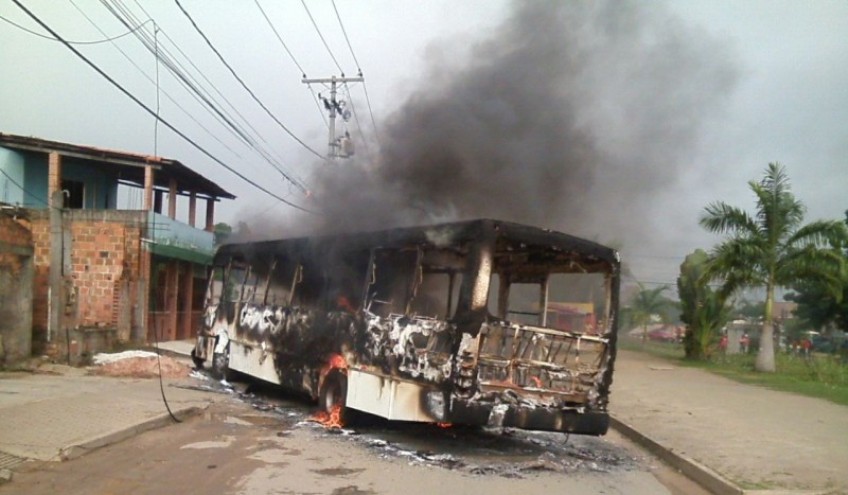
(823, 376)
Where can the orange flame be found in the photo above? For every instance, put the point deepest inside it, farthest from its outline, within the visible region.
(444, 425)
(330, 420)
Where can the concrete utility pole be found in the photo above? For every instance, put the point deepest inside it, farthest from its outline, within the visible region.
(333, 107)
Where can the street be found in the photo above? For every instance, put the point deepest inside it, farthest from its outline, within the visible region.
(257, 443)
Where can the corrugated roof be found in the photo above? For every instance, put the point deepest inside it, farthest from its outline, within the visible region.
(130, 164)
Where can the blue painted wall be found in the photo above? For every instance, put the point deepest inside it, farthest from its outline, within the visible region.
(31, 171)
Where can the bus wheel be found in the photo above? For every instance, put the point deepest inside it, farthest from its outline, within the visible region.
(333, 394)
(198, 363)
(220, 364)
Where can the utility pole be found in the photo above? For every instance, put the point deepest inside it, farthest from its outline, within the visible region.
(334, 107)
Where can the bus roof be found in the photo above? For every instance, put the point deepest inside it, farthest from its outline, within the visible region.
(436, 235)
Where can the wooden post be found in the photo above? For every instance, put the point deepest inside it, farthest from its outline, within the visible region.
(172, 198)
(192, 208)
(188, 296)
(210, 215)
(148, 187)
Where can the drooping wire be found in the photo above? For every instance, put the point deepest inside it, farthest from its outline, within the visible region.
(126, 17)
(318, 105)
(358, 67)
(173, 60)
(371, 112)
(355, 115)
(93, 42)
(165, 93)
(185, 80)
(243, 84)
(151, 112)
(156, 120)
(294, 60)
(315, 25)
(280, 38)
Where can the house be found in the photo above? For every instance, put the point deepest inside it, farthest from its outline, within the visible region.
(99, 274)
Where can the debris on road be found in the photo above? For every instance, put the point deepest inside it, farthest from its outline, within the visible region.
(139, 364)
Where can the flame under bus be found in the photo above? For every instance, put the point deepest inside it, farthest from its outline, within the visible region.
(481, 322)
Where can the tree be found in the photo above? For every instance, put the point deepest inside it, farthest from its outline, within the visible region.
(703, 310)
(817, 306)
(772, 248)
(222, 231)
(648, 305)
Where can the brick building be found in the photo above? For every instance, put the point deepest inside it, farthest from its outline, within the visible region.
(101, 274)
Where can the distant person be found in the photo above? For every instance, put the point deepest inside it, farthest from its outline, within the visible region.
(722, 344)
(744, 342)
(807, 346)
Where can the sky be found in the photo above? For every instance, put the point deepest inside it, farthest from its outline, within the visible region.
(616, 121)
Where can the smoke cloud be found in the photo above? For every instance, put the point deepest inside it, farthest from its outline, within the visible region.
(571, 115)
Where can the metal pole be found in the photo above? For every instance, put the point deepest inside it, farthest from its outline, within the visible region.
(332, 152)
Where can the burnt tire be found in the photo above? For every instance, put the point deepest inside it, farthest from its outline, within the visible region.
(334, 393)
(220, 365)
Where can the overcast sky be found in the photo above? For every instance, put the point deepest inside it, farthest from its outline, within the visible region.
(778, 74)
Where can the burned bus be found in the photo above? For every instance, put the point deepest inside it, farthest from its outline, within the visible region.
(450, 323)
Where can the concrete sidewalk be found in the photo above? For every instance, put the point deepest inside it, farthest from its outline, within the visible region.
(755, 438)
(65, 413)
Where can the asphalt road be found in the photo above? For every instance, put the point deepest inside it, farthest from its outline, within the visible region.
(258, 444)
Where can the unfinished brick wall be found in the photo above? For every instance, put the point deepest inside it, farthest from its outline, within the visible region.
(15, 290)
(103, 265)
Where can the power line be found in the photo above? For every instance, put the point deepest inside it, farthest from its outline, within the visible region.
(358, 67)
(94, 42)
(356, 115)
(243, 84)
(195, 88)
(266, 154)
(167, 95)
(318, 105)
(315, 25)
(184, 79)
(294, 60)
(152, 113)
(371, 112)
(280, 38)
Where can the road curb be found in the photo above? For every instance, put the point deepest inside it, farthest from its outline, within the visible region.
(85, 446)
(697, 472)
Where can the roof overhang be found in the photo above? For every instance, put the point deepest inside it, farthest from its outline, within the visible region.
(130, 165)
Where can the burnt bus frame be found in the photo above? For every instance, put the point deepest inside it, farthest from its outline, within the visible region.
(321, 342)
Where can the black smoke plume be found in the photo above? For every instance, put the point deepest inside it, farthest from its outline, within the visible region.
(571, 115)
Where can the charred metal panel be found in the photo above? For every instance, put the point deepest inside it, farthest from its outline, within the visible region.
(392, 398)
(382, 307)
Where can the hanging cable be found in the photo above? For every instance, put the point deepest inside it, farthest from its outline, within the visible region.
(358, 67)
(243, 84)
(165, 93)
(126, 17)
(151, 112)
(296, 63)
(93, 42)
(156, 120)
(356, 116)
(315, 25)
(280, 38)
(371, 112)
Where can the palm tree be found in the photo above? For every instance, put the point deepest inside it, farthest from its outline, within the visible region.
(648, 304)
(703, 310)
(772, 248)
